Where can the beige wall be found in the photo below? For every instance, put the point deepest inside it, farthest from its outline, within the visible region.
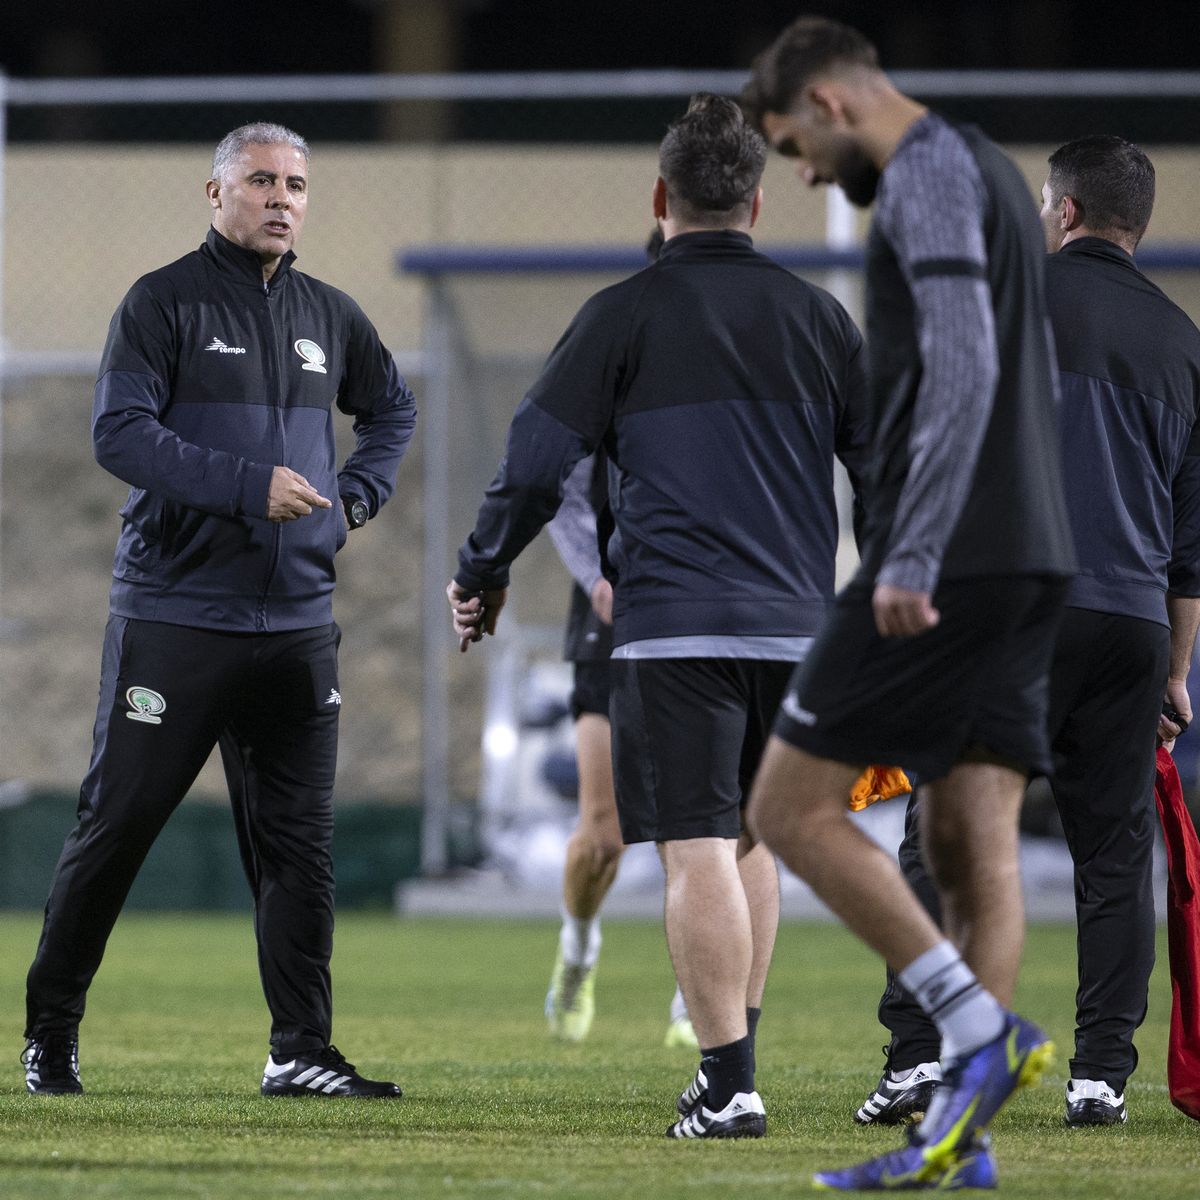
(82, 222)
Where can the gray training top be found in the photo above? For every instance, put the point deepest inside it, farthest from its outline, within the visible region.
(965, 477)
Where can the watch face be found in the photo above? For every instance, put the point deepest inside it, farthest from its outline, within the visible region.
(358, 514)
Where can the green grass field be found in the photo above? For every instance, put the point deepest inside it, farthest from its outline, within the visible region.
(175, 1040)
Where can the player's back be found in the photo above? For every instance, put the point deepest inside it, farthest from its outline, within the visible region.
(737, 377)
(1129, 366)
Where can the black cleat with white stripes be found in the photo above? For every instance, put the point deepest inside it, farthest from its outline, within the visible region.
(322, 1073)
(742, 1117)
(51, 1064)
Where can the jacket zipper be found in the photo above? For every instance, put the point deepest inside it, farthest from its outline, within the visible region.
(260, 619)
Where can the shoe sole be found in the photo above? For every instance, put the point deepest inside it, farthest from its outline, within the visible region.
(1100, 1121)
(937, 1181)
(561, 1035)
(309, 1094)
(751, 1126)
(939, 1158)
(54, 1091)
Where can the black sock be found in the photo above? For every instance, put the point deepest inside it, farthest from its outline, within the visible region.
(752, 1015)
(729, 1070)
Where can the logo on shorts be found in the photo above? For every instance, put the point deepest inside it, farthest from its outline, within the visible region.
(146, 705)
(313, 355)
(801, 716)
(334, 697)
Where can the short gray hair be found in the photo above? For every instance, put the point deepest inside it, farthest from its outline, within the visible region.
(259, 133)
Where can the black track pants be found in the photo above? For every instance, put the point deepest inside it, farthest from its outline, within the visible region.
(168, 694)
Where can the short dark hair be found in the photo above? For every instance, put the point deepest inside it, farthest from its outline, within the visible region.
(711, 161)
(807, 48)
(1110, 180)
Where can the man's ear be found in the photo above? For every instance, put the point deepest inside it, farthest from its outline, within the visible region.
(212, 189)
(658, 198)
(1070, 214)
(755, 206)
(826, 97)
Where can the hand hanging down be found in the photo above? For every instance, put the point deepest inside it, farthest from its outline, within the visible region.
(475, 613)
(900, 612)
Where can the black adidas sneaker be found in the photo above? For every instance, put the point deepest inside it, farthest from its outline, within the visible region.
(901, 1097)
(742, 1117)
(52, 1065)
(322, 1073)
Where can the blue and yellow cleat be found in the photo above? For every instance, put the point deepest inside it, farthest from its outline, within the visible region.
(976, 1087)
(908, 1170)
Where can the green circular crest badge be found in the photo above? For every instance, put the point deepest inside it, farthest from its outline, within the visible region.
(313, 355)
(147, 705)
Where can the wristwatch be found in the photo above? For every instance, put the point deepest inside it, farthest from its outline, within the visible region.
(356, 512)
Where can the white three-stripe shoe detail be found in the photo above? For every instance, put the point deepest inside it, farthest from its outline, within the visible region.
(323, 1072)
(313, 1077)
(319, 1080)
(744, 1116)
(692, 1095)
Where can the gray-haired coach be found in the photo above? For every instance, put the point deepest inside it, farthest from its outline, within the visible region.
(215, 402)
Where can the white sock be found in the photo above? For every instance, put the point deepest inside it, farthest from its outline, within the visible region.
(679, 1010)
(580, 940)
(966, 1015)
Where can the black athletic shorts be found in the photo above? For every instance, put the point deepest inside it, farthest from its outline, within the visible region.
(977, 681)
(688, 734)
(590, 693)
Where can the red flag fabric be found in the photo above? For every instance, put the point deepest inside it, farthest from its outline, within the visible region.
(1183, 937)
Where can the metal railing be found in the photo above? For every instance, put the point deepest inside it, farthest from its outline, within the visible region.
(838, 253)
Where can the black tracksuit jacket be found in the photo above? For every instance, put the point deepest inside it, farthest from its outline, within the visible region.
(210, 379)
(1129, 367)
(720, 386)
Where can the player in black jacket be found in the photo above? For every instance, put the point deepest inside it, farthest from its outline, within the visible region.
(215, 402)
(936, 655)
(721, 387)
(1129, 366)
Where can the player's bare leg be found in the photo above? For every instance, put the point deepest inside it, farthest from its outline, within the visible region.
(969, 829)
(710, 934)
(595, 848)
(799, 809)
(593, 855)
(760, 882)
